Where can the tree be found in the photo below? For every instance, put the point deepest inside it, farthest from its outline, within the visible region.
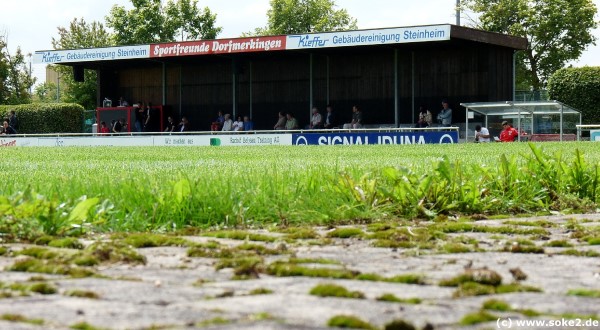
(80, 34)
(150, 22)
(558, 31)
(305, 16)
(15, 78)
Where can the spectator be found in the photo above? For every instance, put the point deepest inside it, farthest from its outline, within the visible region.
(228, 124)
(291, 122)
(316, 121)
(217, 124)
(356, 119)
(7, 129)
(139, 116)
(184, 125)
(329, 118)
(238, 125)
(508, 134)
(118, 126)
(445, 116)
(280, 122)
(151, 121)
(170, 124)
(425, 118)
(123, 102)
(12, 120)
(248, 124)
(104, 130)
(482, 134)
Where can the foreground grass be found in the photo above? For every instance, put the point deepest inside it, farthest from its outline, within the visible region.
(67, 191)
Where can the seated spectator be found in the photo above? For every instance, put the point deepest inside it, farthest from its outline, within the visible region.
(508, 134)
(238, 125)
(356, 119)
(104, 130)
(217, 124)
(329, 118)
(7, 129)
(118, 126)
(316, 121)
(280, 121)
(184, 125)
(291, 122)
(482, 135)
(248, 124)
(170, 127)
(425, 117)
(123, 102)
(228, 124)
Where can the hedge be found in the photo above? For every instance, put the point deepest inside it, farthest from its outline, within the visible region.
(580, 89)
(46, 117)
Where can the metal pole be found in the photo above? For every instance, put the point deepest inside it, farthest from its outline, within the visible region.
(180, 89)
(396, 96)
(311, 100)
(328, 79)
(233, 88)
(561, 121)
(250, 86)
(458, 12)
(412, 111)
(164, 83)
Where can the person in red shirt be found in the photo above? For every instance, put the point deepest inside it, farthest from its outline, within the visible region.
(508, 134)
(103, 129)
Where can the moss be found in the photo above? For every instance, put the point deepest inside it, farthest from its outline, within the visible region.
(320, 261)
(43, 288)
(115, 252)
(476, 318)
(375, 227)
(213, 321)
(45, 267)
(481, 276)
(392, 298)
(370, 277)
(399, 325)
(286, 269)
(516, 287)
(537, 223)
(257, 248)
(39, 253)
(301, 233)
(241, 235)
(66, 243)
(86, 261)
(334, 290)
(146, 240)
(84, 326)
(347, 232)
(462, 227)
(456, 248)
(469, 289)
(580, 253)
(386, 243)
(18, 318)
(496, 305)
(529, 312)
(584, 293)
(3, 250)
(406, 278)
(260, 291)
(349, 321)
(559, 243)
(83, 294)
(593, 241)
(520, 248)
(243, 267)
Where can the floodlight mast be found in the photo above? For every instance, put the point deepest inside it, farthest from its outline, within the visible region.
(458, 12)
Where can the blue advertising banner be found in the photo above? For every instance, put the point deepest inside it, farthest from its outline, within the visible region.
(375, 138)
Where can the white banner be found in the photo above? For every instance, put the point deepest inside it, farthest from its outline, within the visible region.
(369, 37)
(91, 54)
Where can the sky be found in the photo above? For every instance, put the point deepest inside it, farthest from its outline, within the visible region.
(31, 24)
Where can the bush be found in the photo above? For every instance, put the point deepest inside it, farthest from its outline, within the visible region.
(46, 117)
(578, 87)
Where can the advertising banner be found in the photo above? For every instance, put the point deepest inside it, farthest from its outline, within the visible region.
(595, 135)
(219, 46)
(91, 55)
(369, 37)
(375, 138)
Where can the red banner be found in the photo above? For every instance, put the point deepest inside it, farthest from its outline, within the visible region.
(219, 46)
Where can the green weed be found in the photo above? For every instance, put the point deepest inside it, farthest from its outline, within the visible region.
(584, 293)
(334, 290)
(479, 317)
(349, 321)
(392, 298)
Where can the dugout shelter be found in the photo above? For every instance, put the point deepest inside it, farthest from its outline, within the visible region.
(387, 72)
